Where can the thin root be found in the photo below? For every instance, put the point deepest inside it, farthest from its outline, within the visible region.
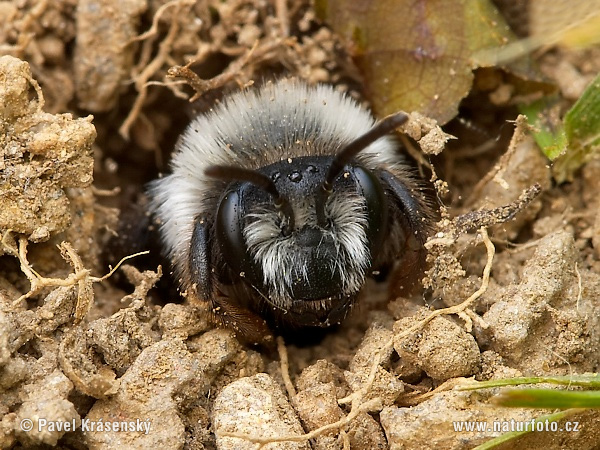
(285, 368)
(142, 80)
(81, 276)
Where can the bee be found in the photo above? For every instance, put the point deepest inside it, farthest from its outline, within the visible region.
(281, 201)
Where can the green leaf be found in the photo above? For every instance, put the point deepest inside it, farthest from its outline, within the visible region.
(570, 401)
(548, 133)
(589, 381)
(582, 130)
(548, 398)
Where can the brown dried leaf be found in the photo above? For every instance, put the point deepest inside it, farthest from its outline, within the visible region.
(417, 55)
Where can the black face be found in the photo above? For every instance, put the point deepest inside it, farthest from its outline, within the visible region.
(310, 234)
(290, 244)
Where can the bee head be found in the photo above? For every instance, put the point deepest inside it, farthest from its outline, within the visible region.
(304, 232)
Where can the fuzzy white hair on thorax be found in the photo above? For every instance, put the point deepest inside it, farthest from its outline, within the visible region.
(252, 129)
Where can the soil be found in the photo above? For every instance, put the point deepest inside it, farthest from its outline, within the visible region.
(132, 367)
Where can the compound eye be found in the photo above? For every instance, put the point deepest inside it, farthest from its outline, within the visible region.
(229, 226)
(377, 208)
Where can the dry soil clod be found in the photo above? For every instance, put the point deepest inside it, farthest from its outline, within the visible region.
(41, 155)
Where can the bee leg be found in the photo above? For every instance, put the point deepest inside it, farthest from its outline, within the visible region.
(199, 259)
(412, 213)
(223, 309)
(248, 326)
(410, 200)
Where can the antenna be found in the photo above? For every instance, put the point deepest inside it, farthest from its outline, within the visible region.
(385, 126)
